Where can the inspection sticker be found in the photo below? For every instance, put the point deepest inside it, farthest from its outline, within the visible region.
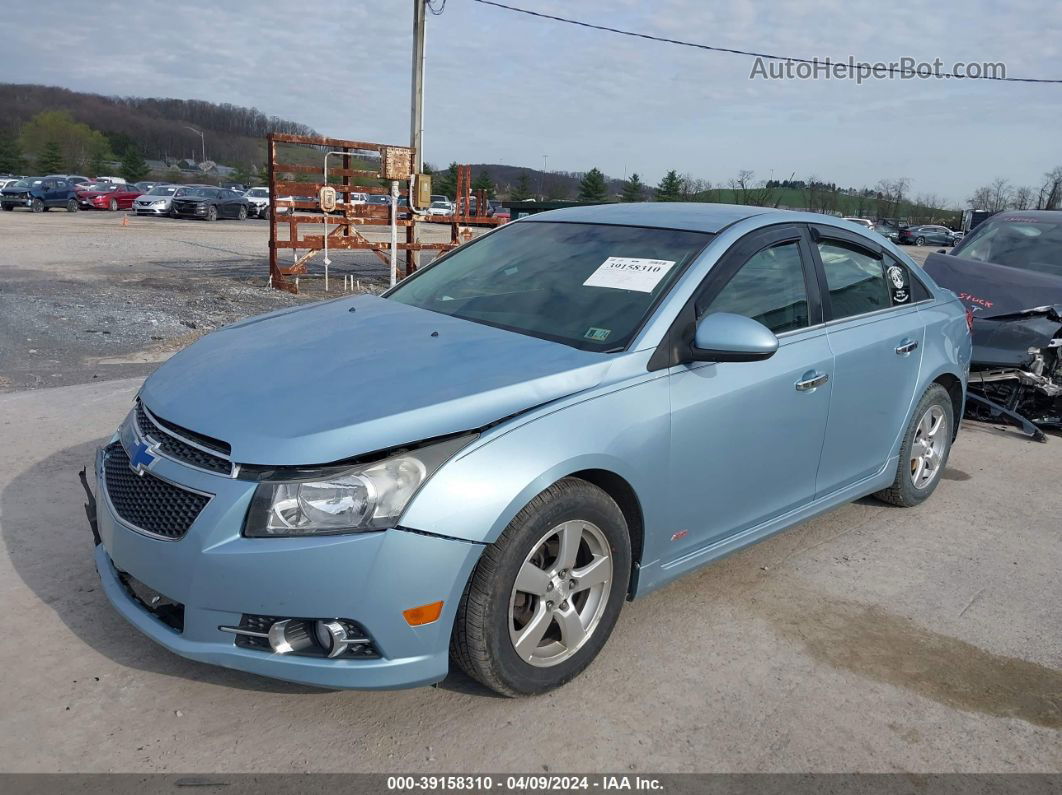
(630, 273)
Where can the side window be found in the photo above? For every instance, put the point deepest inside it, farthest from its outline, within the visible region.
(856, 280)
(769, 288)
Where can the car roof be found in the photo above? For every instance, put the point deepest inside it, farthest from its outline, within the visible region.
(688, 216)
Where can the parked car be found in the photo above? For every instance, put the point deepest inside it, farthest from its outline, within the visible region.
(438, 197)
(107, 196)
(257, 202)
(210, 204)
(75, 179)
(503, 213)
(927, 235)
(157, 201)
(488, 460)
(440, 208)
(1008, 272)
(39, 194)
(146, 186)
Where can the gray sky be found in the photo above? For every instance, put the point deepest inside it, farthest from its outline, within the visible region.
(504, 87)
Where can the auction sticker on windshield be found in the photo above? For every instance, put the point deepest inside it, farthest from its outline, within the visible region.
(630, 273)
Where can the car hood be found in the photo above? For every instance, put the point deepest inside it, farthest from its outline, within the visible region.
(334, 380)
(992, 290)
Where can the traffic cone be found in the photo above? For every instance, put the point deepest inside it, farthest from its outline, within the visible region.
(125, 220)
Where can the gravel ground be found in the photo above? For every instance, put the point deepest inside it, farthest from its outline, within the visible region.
(83, 297)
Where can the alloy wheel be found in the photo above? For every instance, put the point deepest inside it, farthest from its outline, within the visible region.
(927, 447)
(560, 593)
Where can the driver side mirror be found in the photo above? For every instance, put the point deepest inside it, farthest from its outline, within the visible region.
(726, 337)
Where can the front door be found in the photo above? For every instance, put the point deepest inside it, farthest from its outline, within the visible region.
(746, 436)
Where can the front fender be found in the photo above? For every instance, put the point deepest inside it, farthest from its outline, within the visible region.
(623, 429)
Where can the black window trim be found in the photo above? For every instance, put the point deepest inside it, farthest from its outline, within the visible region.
(674, 347)
(821, 233)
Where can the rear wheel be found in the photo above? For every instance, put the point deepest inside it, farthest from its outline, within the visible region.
(920, 241)
(545, 596)
(37, 206)
(925, 450)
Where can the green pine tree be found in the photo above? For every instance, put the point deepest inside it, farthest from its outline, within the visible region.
(521, 191)
(10, 154)
(592, 187)
(98, 161)
(483, 182)
(633, 189)
(445, 182)
(670, 187)
(133, 167)
(50, 160)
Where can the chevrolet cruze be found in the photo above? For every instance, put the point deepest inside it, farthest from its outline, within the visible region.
(483, 464)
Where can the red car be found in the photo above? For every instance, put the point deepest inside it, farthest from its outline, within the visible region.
(107, 196)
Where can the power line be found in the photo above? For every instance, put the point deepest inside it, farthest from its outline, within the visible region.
(436, 11)
(892, 70)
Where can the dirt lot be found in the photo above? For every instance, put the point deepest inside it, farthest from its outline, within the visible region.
(872, 639)
(84, 297)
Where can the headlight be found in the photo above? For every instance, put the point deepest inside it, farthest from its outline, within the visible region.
(351, 500)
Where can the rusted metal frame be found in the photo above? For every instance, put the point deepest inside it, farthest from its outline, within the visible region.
(359, 242)
(295, 187)
(276, 275)
(346, 171)
(338, 143)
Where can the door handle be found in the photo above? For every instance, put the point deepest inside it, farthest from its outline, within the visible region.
(808, 384)
(906, 347)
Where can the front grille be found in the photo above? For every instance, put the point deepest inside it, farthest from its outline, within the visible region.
(146, 502)
(180, 450)
(254, 623)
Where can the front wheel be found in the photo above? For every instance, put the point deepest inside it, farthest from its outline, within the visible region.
(113, 206)
(71, 206)
(545, 596)
(212, 213)
(925, 449)
(37, 206)
(242, 214)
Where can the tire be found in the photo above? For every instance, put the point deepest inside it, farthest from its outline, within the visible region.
(920, 241)
(113, 205)
(8, 207)
(935, 403)
(483, 644)
(242, 214)
(37, 206)
(264, 213)
(71, 206)
(212, 213)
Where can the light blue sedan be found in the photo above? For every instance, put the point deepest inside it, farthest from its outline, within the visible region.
(482, 465)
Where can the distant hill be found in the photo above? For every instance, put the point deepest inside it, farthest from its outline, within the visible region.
(234, 134)
(555, 184)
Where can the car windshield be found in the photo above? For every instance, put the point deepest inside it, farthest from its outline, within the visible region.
(163, 190)
(258, 193)
(441, 205)
(585, 285)
(102, 187)
(1026, 243)
(27, 183)
(202, 193)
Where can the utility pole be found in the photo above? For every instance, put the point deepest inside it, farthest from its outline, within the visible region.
(416, 116)
(203, 137)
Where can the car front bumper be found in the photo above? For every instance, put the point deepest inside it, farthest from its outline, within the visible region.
(151, 210)
(218, 576)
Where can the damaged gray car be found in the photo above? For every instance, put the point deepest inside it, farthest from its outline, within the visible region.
(1008, 273)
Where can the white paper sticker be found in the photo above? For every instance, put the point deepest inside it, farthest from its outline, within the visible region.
(630, 273)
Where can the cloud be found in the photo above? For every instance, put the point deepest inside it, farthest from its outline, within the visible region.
(510, 88)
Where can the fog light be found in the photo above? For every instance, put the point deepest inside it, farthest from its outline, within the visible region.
(289, 635)
(425, 614)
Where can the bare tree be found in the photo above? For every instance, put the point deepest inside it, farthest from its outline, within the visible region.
(1022, 198)
(994, 197)
(1050, 195)
(891, 194)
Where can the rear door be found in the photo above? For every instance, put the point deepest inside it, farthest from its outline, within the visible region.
(746, 436)
(877, 337)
